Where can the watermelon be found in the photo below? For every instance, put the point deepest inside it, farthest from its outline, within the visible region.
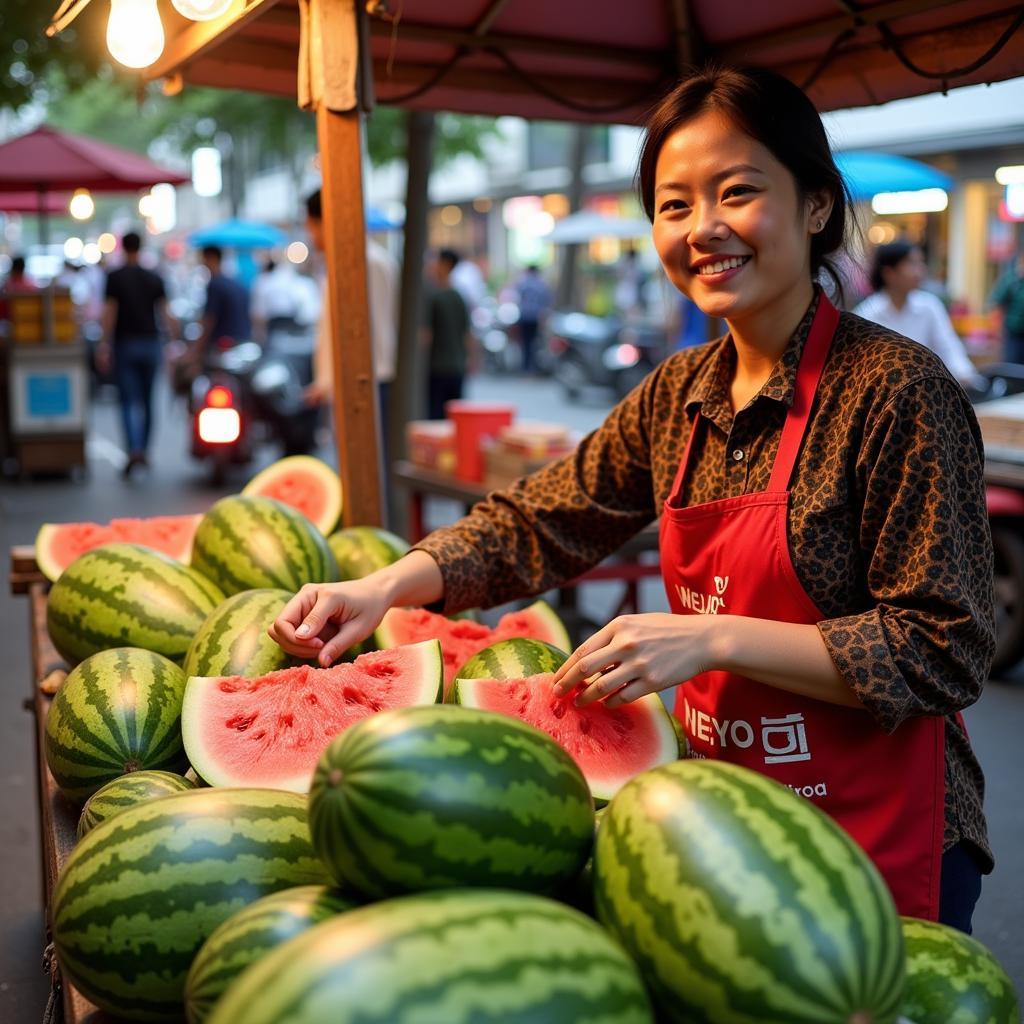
(59, 544)
(248, 543)
(742, 903)
(462, 638)
(444, 797)
(303, 483)
(462, 957)
(252, 933)
(954, 979)
(144, 890)
(270, 731)
(117, 712)
(610, 745)
(233, 640)
(127, 791)
(126, 595)
(361, 550)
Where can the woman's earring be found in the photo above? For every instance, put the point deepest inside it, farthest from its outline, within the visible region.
(821, 224)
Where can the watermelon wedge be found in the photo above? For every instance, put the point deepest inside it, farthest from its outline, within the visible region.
(306, 484)
(271, 730)
(462, 638)
(59, 544)
(610, 745)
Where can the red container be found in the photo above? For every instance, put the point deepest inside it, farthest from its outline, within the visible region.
(475, 421)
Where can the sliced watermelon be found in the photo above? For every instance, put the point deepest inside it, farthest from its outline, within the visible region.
(59, 544)
(610, 745)
(306, 484)
(462, 638)
(271, 730)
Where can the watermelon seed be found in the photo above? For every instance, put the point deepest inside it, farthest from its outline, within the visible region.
(311, 698)
(228, 686)
(585, 726)
(286, 720)
(241, 722)
(558, 708)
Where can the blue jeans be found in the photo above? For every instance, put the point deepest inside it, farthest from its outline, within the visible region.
(959, 886)
(136, 362)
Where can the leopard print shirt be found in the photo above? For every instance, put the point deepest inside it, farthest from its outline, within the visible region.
(888, 530)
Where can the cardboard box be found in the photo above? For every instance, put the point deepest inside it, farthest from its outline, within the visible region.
(1002, 422)
(431, 444)
(502, 467)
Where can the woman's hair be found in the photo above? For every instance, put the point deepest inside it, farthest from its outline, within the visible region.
(776, 113)
(890, 255)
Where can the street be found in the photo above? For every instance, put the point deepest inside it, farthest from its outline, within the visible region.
(175, 485)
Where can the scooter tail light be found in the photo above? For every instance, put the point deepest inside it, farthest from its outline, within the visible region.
(219, 397)
(219, 426)
(557, 345)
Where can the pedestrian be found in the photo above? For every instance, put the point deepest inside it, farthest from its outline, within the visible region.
(629, 285)
(17, 281)
(819, 484)
(276, 301)
(134, 313)
(900, 303)
(534, 299)
(225, 320)
(468, 280)
(1008, 295)
(445, 334)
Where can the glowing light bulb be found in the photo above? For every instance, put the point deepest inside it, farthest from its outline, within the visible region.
(201, 10)
(135, 34)
(81, 206)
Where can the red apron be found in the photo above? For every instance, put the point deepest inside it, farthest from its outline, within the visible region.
(731, 557)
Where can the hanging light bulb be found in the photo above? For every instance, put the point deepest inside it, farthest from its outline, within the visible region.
(135, 34)
(201, 10)
(81, 206)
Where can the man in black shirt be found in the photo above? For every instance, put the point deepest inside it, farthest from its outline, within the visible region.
(136, 304)
(446, 332)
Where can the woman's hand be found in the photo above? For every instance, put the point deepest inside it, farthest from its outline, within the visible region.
(637, 654)
(323, 620)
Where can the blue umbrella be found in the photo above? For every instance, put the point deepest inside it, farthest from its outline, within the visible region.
(377, 220)
(239, 234)
(867, 174)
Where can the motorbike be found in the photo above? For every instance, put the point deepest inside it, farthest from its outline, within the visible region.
(493, 323)
(608, 352)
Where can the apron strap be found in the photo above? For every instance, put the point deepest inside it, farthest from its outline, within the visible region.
(812, 362)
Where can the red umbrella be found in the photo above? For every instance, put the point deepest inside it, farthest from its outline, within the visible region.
(28, 202)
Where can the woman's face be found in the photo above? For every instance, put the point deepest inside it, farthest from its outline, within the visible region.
(729, 226)
(907, 275)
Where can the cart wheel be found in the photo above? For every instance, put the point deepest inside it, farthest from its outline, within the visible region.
(1009, 587)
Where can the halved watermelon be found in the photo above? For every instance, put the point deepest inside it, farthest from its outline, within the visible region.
(610, 745)
(306, 484)
(271, 730)
(462, 638)
(59, 544)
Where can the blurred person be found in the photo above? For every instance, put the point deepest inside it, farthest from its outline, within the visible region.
(445, 334)
(629, 285)
(134, 312)
(468, 280)
(1008, 295)
(382, 281)
(279, 300)
(534, 299)
(16, 281)
(899, 303)
(225, 320)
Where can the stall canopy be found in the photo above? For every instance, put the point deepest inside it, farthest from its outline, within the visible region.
(867, 174)
(239, 234)
(28, 202)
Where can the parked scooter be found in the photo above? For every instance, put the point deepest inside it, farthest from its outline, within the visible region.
(592, 351)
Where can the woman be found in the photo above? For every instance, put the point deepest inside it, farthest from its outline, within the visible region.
(821, 498)
(900, 304)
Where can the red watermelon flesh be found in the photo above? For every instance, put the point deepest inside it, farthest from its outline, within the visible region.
(271, 730)
(610, 745)
(462, 638)
(59, 544)
(305, 484)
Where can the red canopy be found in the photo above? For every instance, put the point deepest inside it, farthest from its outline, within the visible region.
(32, 202)
(50, 160)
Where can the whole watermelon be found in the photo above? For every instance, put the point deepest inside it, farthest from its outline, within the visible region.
(142, 892)
(742, 903)
(460, 957)
(117, 712)
(252, 933)
(954, 979)
(248, 543)
(233, 640)
(361, 550)
(127, 595)
(127, 791)
(442, 797)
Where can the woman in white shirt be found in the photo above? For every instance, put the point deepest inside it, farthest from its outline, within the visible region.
(900, 304)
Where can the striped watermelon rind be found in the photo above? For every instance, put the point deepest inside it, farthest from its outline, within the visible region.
(953, 979)
(513, 659)
(117, 712)
(143, 891)
(128, 791)
(360, 550)
(250, 934)
(126, 595)
(461, 957)
(445, 797)
(294, 480)
(249, 543)
(742, 903)
(233, 640)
